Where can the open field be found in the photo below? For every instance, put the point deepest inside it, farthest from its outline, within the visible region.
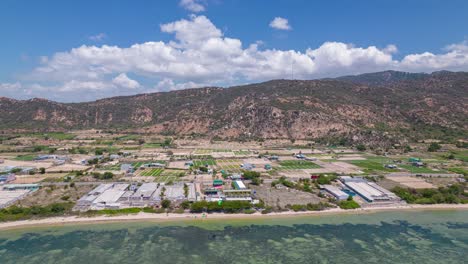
(412, 182)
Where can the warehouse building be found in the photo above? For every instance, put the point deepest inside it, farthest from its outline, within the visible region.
(7, 198)
(145, 192)
(369, 191)
(335, 192)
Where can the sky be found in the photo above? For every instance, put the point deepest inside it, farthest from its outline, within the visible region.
(73, 51)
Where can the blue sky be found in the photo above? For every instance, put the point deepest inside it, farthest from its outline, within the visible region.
(82, 50)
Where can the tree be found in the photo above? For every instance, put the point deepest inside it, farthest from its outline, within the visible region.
(185, 205)
(433, 147)
(41, 170)
(98, 151)
(361, 147)
(165, 203)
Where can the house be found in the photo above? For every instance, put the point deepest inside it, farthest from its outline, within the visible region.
(6, 178)
(335, 192)
(217, 183)
(247, 166)
(153, 165)
(300, 156)
(235, 177)
(14, 187)
(114, 156)
(274, 157)
(126, 167)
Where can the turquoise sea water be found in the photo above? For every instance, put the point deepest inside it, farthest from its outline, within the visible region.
(385, 237)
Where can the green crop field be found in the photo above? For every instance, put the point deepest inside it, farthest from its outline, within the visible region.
(229, 165)
(152, 145)
(152, 172)
(53, 135)
(297, 165)
(169, 175)
(204, 162)
(241, 152)
(414, 169)
(110, 167)
(25, 157)
(371, 165)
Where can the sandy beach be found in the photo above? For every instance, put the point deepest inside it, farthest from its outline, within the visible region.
(151, 217)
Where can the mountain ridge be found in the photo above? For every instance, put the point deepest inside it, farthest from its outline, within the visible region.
(385, 105)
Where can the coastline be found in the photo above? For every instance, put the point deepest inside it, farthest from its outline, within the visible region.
(151, 217)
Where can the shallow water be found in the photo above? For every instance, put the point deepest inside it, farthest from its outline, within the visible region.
(385, 237)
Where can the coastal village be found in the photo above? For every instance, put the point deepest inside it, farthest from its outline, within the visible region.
(102, 172)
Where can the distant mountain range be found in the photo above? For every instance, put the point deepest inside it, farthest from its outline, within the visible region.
(377, 107)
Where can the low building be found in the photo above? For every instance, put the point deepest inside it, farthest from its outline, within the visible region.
(14, 187)
(145, 192)
(6, 178)
(238, 195)
(247, 166)
(7, 197)
(369, 191)
(235, 177)
(239, 185)
(335, 192)
(175, 192)
(217, 183)
(126, 167)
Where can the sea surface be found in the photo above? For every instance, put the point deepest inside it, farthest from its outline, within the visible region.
(384, 237)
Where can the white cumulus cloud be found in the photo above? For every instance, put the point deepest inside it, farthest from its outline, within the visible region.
(280, 23)
(192, 5)
(122, 80)
(98, 37)
(199, 54)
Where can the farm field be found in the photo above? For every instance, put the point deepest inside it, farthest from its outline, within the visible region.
(297, 165)
(151, 172)
(414, 169)
(115, 167)
(371, 165)
(204, 162)
(241, 152)
(230, 165)
(28, 157)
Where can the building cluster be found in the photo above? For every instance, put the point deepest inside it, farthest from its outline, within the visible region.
(122, 195)
(217, 191)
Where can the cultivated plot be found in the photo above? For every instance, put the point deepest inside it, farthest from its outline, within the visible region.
(297, 165)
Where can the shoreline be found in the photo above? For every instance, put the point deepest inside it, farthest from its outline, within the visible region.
(163, 217)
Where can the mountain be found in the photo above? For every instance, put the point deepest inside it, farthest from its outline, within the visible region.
(376, 107)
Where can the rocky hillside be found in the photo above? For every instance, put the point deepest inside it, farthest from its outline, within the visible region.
(385, 106)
